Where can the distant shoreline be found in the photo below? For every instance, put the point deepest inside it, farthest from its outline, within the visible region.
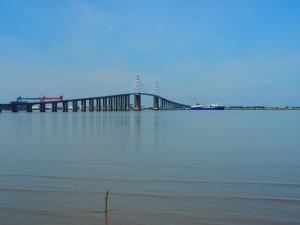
(262, 108)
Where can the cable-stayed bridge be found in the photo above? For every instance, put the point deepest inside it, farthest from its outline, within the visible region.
(118, 102)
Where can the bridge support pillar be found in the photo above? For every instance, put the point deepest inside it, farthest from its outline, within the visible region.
(110, 100)
(14, 108)
(104, 102)
(65, 107)
(98, 102)
(137, 102)
(91, 105)
(123, 103)
(122, 108)
(54, 107)
(43, 107)
(111, 104)
(115, 103)
(155, 102)
(128, 102)
(119, 106)
(83, 105)
(119, 99)
(29, 107)
(74, 106)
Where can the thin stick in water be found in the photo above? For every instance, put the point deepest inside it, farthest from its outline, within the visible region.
(106, 201)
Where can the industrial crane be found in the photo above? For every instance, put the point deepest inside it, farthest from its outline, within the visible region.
(41, 99)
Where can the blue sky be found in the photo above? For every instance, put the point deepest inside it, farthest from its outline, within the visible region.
(228, 51)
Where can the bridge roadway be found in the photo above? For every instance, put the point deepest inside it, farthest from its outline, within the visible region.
(119, 102)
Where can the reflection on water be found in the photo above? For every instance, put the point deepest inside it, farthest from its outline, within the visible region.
(160, 168)
(106, 220)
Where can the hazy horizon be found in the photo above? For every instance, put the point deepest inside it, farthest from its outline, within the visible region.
(232, 52)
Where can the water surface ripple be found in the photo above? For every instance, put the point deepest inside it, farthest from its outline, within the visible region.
(181, 167)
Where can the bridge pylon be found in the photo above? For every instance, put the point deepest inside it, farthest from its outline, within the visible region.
(137, 102)
(137, 94)
(155, 102)
(156, 96)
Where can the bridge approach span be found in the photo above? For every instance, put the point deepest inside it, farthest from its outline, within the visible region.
(118, 102)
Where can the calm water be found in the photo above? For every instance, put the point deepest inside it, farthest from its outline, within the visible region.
(161, 168)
